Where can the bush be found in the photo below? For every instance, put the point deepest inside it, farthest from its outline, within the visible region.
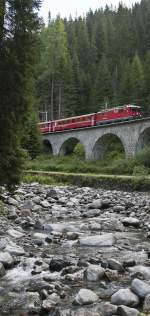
(143, 157)
(140, 171)
(121, 166)
(79, 152)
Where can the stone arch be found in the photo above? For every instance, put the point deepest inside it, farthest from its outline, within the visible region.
(144, 139)
(104, 142)
(68, 146)
(47, 146)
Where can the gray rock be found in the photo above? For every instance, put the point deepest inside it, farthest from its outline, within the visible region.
(125, 297)
(127, 311)
(108, 309)
(119, 208)
(61, 228)
(6, 259)
(25, 213)
(12, 214)
(38, 284)
(12, 201)
(85, 296)
(95, 204)
(113, 225)
(15, 233)
(98, 240)
(115, 265)
(95, 226)
(57, 264)
(72, 235)
(141, 271)
(45, 204)
(140, 288)
(146, 305)
(15, 250)
(40, 236)
(2, 270)
(94, 273)
(26, 301)
(131, 221)
(50, 302)
(112, 275)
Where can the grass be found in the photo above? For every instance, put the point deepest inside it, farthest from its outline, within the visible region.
(71, 164)
(127, 183)
(113, 172)
(49, 180)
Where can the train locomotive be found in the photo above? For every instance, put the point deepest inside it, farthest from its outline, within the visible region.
(104, 117)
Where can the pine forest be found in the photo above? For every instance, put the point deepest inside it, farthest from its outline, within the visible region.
(93, 62)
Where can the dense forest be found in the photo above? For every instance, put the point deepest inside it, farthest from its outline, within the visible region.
(19, 25)
(100, 60)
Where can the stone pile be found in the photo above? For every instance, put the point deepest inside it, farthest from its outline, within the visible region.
(68, 251)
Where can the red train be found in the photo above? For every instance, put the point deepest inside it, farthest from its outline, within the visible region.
(107, 116)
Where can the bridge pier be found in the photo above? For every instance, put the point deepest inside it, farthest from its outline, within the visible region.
(130, 150)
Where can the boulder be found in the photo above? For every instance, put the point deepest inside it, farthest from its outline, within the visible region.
(115, 265)
(85, 296)
(125, 297)
(95, 204)
(140, 288)
(94, 273)
(6, 259)
(141, 271)
(127, 311)
(131, 221)
(98, 240)
(50, 302)
(57, 264)
(108, 309)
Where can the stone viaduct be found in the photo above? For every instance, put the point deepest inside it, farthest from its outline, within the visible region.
(133, 135)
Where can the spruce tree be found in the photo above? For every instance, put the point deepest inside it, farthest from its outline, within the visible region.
(103, 86)
(137, 80)
(17, 56)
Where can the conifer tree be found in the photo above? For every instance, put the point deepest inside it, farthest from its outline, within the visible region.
(137, 80)
(17, 55)
(103, 86)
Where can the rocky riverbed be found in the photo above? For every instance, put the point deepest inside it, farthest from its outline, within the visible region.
(68, 251)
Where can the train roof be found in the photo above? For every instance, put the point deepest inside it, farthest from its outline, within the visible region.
(89, 114)
(121, 107)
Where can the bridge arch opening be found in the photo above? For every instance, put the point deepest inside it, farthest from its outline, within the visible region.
(72, 146)
(108, 147)
(47, 147)
(144, 140)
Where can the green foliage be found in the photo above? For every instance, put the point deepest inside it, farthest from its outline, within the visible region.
(79, 151)
(103, 58)
(32, 140)
(17, 57)
(140, 170)
(28, 178)
(76, 165)
(143, 157)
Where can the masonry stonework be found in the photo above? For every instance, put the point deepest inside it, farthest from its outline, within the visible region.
(133, 136)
